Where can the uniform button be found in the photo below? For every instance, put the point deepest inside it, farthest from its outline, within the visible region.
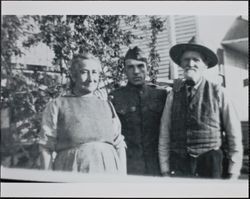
(133, 108)
(141, 92)
(122, 111)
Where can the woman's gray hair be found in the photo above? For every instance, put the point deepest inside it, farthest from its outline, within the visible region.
(79, 57)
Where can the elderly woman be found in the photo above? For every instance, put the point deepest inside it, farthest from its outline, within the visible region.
(81, 128)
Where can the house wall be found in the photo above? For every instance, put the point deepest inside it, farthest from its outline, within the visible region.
(236, 70)
(185, 27)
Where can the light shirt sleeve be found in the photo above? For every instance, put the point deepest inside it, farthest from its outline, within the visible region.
(48, 133)
(164, 138)
(233, 132)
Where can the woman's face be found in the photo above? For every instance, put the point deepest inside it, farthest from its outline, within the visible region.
(86, 75)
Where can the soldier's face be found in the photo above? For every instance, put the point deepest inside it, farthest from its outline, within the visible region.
(136, 71)
(193, 65)
(86, 75)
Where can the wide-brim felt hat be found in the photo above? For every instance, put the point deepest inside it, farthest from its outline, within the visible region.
(193, 45)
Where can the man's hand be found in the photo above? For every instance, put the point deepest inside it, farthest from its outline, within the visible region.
(165, 174)
(232, 176)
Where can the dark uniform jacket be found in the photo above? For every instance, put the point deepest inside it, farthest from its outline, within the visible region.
(140, 110)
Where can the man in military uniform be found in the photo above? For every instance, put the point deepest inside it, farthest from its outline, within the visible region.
(139, 107)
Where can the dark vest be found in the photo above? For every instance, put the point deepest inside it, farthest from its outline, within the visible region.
(195, 126)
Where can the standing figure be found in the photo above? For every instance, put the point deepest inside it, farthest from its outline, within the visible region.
(82, 129)
(197, 119)
(139, 107)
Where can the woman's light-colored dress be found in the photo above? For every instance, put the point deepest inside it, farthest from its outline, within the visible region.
(85, 133)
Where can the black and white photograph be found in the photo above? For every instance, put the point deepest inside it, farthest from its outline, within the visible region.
(124, 99)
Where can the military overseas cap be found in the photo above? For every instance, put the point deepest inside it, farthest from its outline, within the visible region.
(193, 45)
(136, 53)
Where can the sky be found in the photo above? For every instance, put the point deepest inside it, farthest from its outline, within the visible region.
(212, 29)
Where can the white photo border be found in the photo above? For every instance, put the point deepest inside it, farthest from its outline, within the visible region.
(153, 189)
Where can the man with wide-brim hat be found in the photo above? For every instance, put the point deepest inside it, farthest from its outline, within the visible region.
(198, 117)
(193, 45)
(139, 107)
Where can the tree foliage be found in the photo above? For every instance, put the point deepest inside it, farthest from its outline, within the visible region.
(156, 26)
(19, 95)
(99, 35)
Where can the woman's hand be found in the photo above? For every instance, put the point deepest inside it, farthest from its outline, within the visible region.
(45, 158)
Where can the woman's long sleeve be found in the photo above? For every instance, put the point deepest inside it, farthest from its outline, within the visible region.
(119, 142)
(48, 133)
